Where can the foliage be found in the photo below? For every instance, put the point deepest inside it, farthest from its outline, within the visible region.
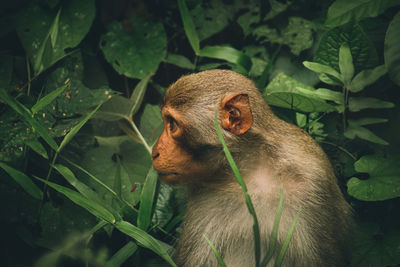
(80, 88)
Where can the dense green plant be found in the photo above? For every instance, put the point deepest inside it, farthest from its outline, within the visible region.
(80, 88)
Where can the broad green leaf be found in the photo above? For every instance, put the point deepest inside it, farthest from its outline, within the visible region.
(147, 200)
(36, 146)
(93, 207)
(215, 251)
(81, 187)
(329, 80)
(47, 99)
(320, 68)
(298, 35)
(189, 26)
(346, 66)
(151, 123)
(229, 54)
(355, 129)
(284, 91)
(122, 254)
(344, 11)
(383, 182)
(116, 108)
(180, 61)
(34, 23)
(392, 49)
(144, 239)
(135, 54)
(76, 129)
(366, 77)
(138, 94)
(360, 103)
(375, 245)
(362, 50)
(211, 18)
(24, 181)
(28, 116)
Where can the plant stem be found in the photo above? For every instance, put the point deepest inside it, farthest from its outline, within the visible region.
(133, 125)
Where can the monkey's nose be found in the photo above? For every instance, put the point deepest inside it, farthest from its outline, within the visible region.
(155, 155)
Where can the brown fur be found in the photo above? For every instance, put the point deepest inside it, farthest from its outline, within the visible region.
(269, 154)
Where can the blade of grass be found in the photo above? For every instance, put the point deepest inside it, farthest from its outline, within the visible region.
(189, 27)
(256, 229)
(285, 245)
(76, 129)
(144, 239)
(274, 234)
(93, 207)
(147, 200)
(36, 146)
(47, 99)
(28, 116)
(122, 254)
(219, 258)
(138, 94)
(24, 181)
(81, 187)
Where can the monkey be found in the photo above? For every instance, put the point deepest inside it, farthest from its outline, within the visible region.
(270, 153)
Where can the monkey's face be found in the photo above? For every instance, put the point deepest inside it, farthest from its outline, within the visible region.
(173, 162)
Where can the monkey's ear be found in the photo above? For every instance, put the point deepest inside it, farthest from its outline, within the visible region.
(235, 114)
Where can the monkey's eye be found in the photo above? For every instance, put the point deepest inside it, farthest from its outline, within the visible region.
(172, 125)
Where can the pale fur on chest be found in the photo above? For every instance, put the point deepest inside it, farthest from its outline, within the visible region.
(234, 237)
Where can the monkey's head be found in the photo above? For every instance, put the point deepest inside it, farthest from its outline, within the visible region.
(189, 148)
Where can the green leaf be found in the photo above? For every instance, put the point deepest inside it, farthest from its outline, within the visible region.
(36, 146)
(122, 254)
(274, 234)
(215, 251)
(360, 103)
(346, 64)
(229, 54)
(189, 26)
(144, 239)
(366, 77)
(93, 207)
(47, 99)
(135, 54)
(147, 200)
(81, 187)
(26, 113)
(180, 61)
(239, 179)
(355, 129)
(320, 68)
(375, 245)
(76, 129)
(151, 123)
(343, 11)
(116, 108)
(285, 244)
(392, 49)
(24, 181)
(54, 29)
(284, 91)
(34, 25)
(138, 94)
(384, 180)
(362, 50)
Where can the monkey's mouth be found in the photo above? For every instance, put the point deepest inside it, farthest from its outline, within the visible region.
(167, 173)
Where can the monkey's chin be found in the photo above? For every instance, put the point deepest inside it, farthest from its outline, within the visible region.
(169, 177)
